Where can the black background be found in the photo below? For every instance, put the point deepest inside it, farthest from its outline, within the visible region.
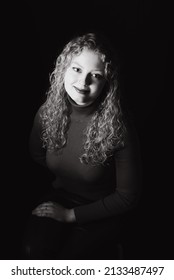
(32, 34)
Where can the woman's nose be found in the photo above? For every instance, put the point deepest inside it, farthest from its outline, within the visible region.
(85, 80)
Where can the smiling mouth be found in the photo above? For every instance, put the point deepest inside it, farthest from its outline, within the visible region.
(81, 91)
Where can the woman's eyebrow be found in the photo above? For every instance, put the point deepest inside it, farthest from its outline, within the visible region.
(77, 64)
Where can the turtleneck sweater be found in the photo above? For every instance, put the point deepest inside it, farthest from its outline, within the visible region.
(101, 191)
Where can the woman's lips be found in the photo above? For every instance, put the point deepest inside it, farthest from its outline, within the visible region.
(82, 91)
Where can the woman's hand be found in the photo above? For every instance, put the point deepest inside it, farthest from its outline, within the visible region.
(55, 211)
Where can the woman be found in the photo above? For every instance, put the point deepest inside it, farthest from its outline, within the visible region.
(82, 137)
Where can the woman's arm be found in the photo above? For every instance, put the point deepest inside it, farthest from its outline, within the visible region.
(127, 192)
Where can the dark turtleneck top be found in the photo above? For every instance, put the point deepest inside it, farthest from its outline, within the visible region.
(101, 191)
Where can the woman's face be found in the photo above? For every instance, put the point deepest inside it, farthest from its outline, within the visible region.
(84, 78)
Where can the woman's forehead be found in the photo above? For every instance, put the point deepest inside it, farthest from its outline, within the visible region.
(88, 58)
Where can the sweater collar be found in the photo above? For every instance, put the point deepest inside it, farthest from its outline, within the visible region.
(83, 110)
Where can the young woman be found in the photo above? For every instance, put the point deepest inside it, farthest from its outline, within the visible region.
(81, 135)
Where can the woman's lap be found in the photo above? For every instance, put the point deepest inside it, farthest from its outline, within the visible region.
(46, 238)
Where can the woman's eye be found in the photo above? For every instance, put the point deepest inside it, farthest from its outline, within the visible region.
(97, 76)
(76, 69)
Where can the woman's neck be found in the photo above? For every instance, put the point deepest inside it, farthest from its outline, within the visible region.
(84, 109)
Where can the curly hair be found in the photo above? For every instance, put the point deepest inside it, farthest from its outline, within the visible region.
(105, 132)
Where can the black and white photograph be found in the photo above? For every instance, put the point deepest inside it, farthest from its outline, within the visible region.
(86, 131)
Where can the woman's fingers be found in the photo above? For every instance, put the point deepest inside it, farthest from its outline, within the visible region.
(44, 209)
(42, 213)
(52, 210)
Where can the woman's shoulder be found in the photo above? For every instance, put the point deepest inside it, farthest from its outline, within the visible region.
(130, 150)
(130, 124)
(131, 137)
(39, 112)
(38, 117)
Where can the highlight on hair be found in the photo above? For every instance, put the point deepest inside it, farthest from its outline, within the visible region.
(105, 132)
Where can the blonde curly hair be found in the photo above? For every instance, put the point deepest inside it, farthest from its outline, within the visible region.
(105, 132)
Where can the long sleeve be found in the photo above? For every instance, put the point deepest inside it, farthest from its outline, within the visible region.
(126, 195)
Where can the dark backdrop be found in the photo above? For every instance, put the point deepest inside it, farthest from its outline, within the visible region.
(33, 33)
